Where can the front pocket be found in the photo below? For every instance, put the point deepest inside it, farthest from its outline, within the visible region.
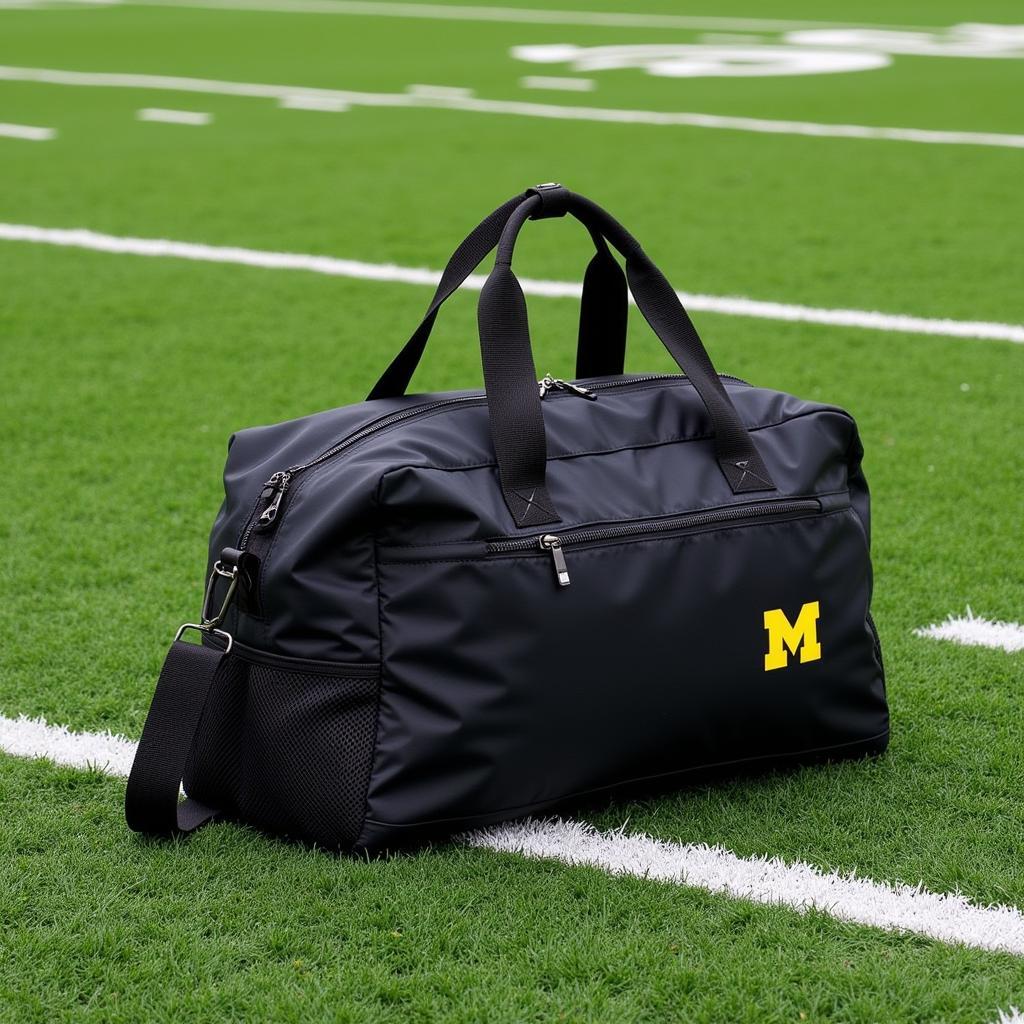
(679, 645)
(555, 544)
(286, 745)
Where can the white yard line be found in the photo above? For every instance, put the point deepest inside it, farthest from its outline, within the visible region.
(194, 117)
(34, 737)
(973, 631)
(552, 82)
(728, 305)
(1011, 1016)
(439, 92)
(29, 132)
(947, 917)
(301, 101)
(453, 98)
(507, 15)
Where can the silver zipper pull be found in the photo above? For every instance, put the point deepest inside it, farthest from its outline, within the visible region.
(579, 389)
(549, 542)
(274, 490)
(548, 383)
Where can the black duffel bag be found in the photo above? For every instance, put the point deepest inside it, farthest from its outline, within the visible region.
(428, 613)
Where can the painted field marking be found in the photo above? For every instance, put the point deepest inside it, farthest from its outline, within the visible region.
(948, 917)
(195, 117)
(698, 60)
(551, 82)
(439, 92)
(727, 305)
(301, 101)
(1011, 1016)
(972, 630)
(458, 100)
(508, 15)
(970, 39)
(35, 738)
(55, 5)
(30, 133)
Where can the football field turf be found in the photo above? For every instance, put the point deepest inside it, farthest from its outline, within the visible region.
(377, 135)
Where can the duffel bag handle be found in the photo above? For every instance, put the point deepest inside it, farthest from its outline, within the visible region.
(602, 333)
(516, 419)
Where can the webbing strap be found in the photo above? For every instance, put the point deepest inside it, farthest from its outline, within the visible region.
(602, 333)
(151, 802)
(516, 420)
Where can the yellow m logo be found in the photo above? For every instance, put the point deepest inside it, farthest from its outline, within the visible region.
(782, 634)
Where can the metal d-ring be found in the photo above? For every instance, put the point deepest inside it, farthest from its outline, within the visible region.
(209, 631)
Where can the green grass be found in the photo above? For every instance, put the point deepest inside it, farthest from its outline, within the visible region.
(123, 378)
(232, 926)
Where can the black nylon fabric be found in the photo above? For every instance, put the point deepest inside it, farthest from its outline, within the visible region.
(417, 653)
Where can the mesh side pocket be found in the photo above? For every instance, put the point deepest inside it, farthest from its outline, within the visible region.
(213, 772)
(306, 748)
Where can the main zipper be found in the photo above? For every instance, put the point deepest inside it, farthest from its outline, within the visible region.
(265, 513)
(277, 486)
(555, 543)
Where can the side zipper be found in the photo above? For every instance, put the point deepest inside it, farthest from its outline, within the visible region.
(273, 494)
(554, 544)
(266, 511)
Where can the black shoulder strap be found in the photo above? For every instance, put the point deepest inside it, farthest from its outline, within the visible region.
(151, 803)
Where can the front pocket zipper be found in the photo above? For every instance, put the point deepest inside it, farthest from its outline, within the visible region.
(555, 543)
